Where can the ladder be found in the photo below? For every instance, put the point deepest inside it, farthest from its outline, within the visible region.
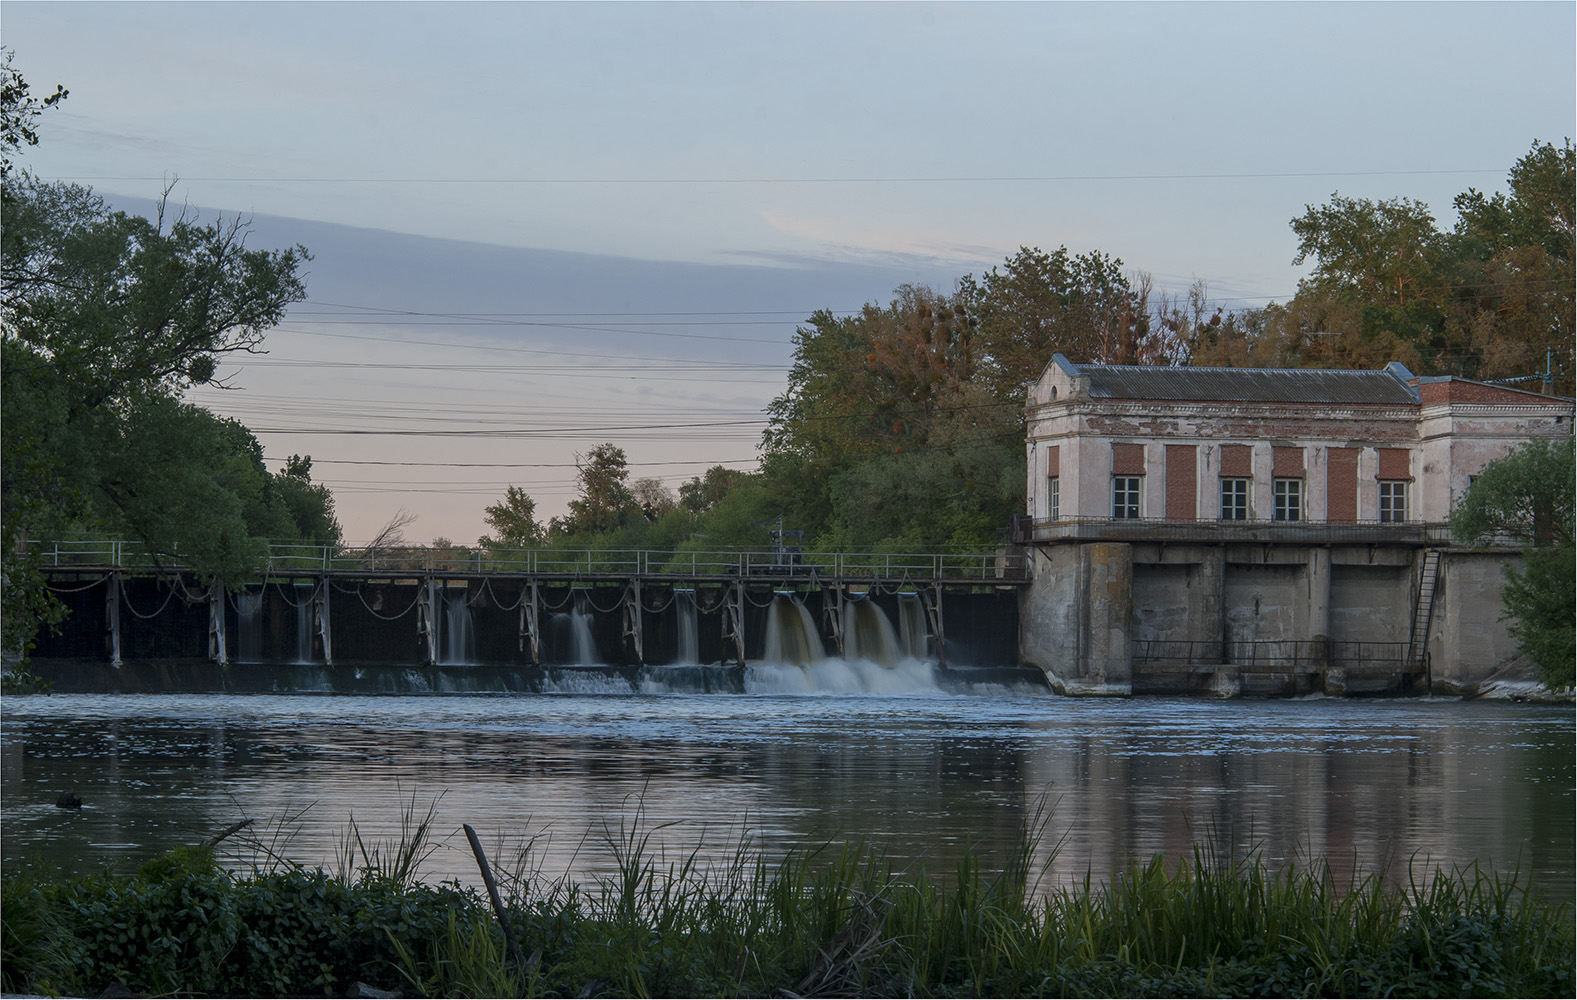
(1417, 649)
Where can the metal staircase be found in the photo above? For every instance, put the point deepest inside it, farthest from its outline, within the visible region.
(1423, 611)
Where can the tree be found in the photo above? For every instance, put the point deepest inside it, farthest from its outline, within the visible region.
(310, 505)
(653, 498)
(19, 109)
(604, 501)
(514, 522)
(105, 319)
(1527, 497)
(703, 493)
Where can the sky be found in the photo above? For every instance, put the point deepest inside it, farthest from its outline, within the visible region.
(539, 227)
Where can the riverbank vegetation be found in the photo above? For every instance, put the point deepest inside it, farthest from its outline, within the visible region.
(827, 923)
(1529, 498)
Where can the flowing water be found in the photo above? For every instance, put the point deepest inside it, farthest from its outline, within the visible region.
(921, 773)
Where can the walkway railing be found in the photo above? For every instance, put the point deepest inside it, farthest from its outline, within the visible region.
(1210, 530)
(1269, 654)
(989, 566)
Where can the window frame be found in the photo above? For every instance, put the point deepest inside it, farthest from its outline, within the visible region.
(1240, 487)
(1394, 501)
(1284, 490)
(1131, 507)
(1054, 498)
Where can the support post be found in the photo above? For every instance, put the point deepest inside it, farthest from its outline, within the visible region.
(112, 617)
(932, 602)
(528, 626)
(632, 619)
(427, 620)
(734, 624)
(218, 647)
(832, 614)
(323, 622)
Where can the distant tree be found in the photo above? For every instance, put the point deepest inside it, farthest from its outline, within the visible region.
(603, 500)
(702, 493)
(514, 522)
(653, 498)
(1527, 497)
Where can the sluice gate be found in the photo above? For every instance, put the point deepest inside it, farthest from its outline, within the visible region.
(521, 617)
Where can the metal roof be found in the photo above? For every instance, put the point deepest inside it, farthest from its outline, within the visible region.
(1388, 386)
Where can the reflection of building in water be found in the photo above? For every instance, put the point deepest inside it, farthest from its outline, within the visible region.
(1422, 793)
(1226, 528)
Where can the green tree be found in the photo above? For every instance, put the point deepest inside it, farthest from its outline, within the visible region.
(105, 319)
(702, 493)
(1038, 304)
(1527, 498)
(310, 505)
(19, 110)
(514, 522)
(604, 500)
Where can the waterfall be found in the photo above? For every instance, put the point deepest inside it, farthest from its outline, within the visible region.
(459, 637)
(868, 635)
(249, 627)
(689, 651)
(304, 621)
(911, 627)
(792, 638)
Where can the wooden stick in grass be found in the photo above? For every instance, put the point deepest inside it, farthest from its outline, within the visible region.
(492, 895)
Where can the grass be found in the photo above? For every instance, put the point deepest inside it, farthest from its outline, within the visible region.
(834, 922)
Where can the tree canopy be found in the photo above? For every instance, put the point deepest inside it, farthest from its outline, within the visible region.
(1526, 498)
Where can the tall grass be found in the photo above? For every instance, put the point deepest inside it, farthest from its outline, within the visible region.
(830, 922)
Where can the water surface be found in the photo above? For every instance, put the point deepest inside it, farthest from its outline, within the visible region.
(1363, 784)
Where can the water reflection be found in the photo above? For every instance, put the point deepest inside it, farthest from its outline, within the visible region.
(1362, 784)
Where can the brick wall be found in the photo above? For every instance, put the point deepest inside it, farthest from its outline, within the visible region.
(1287, 463)
(1182, 482)
(1237, 461)
(1341, 485)
(1127, 459)
(1394, 464)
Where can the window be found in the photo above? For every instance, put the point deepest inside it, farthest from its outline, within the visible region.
(1289, 500)
(1054, 497)
(1125, 497)
(1234, 499)
(1393, 501)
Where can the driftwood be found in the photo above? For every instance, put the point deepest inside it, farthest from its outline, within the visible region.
(498, 904)
(227, 831)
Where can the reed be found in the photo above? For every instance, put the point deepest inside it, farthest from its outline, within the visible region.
(836, 921)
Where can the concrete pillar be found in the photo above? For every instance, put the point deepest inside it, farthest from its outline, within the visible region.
(1075, 617)
(1319, 601)
(528, 625)
(1207, 600)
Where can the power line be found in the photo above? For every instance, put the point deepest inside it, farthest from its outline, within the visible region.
(980, 179)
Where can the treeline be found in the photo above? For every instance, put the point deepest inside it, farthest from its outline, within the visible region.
(902, 426)
(105, 320)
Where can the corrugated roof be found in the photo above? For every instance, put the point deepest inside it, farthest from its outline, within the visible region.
(1267, 385)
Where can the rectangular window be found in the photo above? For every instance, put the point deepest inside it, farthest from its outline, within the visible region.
(1289, 500)
(1125, 497)
(1393, 501)
(1054, 497)
(1234, 499)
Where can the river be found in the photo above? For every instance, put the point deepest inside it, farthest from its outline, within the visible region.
(1362, 783)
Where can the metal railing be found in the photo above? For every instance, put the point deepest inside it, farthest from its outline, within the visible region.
(1270, 654)
(1259, 530)
(285, 558)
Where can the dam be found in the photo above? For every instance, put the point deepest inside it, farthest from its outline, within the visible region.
(320, 618)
